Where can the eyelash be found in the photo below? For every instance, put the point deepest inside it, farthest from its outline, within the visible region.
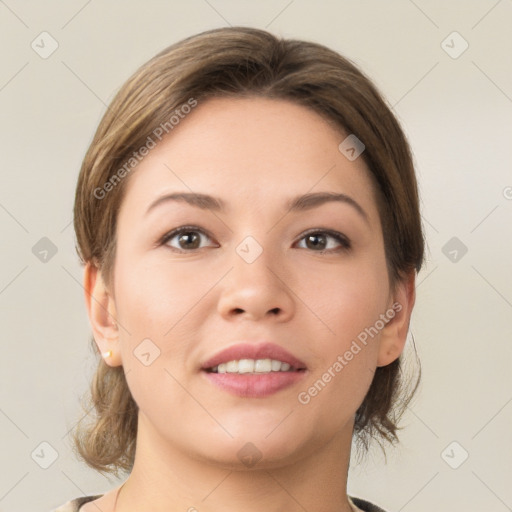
(340, 238)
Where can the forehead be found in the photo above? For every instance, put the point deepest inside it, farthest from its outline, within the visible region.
(250, 149)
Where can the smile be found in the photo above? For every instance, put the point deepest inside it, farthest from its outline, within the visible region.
(253, 366)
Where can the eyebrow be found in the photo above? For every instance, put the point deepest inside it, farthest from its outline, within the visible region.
(296, 204)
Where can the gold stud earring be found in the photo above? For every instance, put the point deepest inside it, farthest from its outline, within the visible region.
(106, 354)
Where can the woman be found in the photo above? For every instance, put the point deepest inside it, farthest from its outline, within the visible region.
(236, 371)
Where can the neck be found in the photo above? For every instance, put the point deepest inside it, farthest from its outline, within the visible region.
(168, 480)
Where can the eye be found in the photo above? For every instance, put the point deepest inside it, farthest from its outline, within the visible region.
(318, 241)
(187, 238)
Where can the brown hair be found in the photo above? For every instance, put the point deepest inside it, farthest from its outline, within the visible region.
(238, 62)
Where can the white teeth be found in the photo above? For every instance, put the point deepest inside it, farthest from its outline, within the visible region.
(262, 365)
(275, 365)
(252, 366)
(246, 366)
(232, 366)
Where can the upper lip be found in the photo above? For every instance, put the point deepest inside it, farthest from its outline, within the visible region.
(265, 350)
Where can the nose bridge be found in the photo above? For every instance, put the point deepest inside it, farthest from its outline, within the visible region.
(254, 286)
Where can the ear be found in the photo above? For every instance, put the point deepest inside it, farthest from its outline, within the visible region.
(102, 314)
(394, 334)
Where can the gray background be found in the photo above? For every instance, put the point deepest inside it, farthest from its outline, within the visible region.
(456, 109)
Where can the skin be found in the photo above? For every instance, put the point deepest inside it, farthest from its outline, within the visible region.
(254, 154)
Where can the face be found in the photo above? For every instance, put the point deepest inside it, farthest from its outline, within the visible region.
(254, 274)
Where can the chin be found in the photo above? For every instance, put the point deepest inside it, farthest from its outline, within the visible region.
(253, 450)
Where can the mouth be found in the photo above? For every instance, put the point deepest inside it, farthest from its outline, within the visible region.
(255, 358)
(257, 371)
(253, 367)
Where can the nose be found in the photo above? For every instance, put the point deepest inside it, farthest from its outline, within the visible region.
(257, 290)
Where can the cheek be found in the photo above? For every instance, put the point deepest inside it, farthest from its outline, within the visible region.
(344, 359)
(154, 295)
(350, 298)
(349, 303)
(155, 303)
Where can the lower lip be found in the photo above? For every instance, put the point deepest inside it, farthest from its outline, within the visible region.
(253, 385)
